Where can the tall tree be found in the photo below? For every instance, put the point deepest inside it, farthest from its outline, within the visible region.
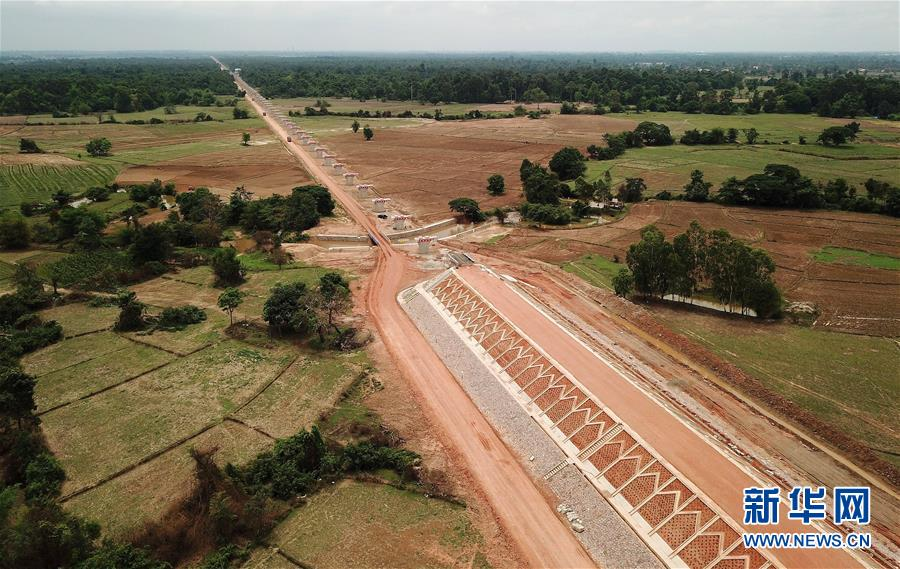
(697, 190)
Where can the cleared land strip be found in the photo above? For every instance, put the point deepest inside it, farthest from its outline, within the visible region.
(682, 522)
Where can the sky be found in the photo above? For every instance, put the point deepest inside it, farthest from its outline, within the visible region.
(604, 26)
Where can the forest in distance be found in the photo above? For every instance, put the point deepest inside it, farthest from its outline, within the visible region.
(839, 85)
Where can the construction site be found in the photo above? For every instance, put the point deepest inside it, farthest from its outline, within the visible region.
(597, 439)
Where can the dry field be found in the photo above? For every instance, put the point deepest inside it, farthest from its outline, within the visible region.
(856, 299)
(423, 168)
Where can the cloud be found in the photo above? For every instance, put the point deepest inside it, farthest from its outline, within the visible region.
(450, 26)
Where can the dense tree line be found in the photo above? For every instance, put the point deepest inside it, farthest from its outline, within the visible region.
(697, 260)
(80, 86)
(780, 185)
(828, 85)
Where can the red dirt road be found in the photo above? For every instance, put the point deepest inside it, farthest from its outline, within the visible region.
(716, 476)
(541, 536)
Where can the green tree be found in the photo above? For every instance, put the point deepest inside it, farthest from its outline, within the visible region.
(85, 226)
(28, 146)
(632, 190)
(227, 267)
(44, 478)
(836, 136)
(355, 127)
(113, 555)
(496, 186)
(654, 134)
(751, 134)
(230, 299)
(245, 139)
(324, 202)
(540, 186)
(623, 283)
(14, 231)
(290, 308)
(467, 207)
(535, 95)
(568, 163)
(697, 190)
(17, 404)
(368, 133)
(152, 243)
(98, 147)
(131, 312)
(651, 261)
(29, 285)
(334, 298)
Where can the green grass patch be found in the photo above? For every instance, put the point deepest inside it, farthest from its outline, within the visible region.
(70, 383)
(37, 182)
(595, 269)
(846, 380)
(81, 318)
(123, 504)
(71, 352)
(148, 414)
(842, 256)
(310, 387)
(339, 524)
(259, 261)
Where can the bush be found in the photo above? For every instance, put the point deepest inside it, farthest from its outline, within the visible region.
(546, 213)
(131, 312)
(14, 232)
(227, 267)
(178, 318)
(44, 478)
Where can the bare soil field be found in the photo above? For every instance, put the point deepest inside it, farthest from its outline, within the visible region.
(264, 168)
(424, 167)
(851, 298)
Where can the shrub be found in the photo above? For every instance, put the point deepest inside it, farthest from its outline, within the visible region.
(178, 318)
(131, 312)
(44, 478)
(14, 232)
(227, 267)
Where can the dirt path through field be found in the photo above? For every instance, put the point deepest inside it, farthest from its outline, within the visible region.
(541, 536)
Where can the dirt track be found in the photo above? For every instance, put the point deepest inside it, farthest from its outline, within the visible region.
(525, 514)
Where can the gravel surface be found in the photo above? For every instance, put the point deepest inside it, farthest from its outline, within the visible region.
(607, 537)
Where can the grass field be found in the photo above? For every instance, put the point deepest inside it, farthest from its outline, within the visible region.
(371, 525)
(80, 318)
(595, 269)
(144, 493)
(66, 165)
(303, 392)
(182, 113)
(876, 153)
(326, 126)
(856, 392)
(771, 126)
(35, 182)
(856, 257)
(156, 410)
